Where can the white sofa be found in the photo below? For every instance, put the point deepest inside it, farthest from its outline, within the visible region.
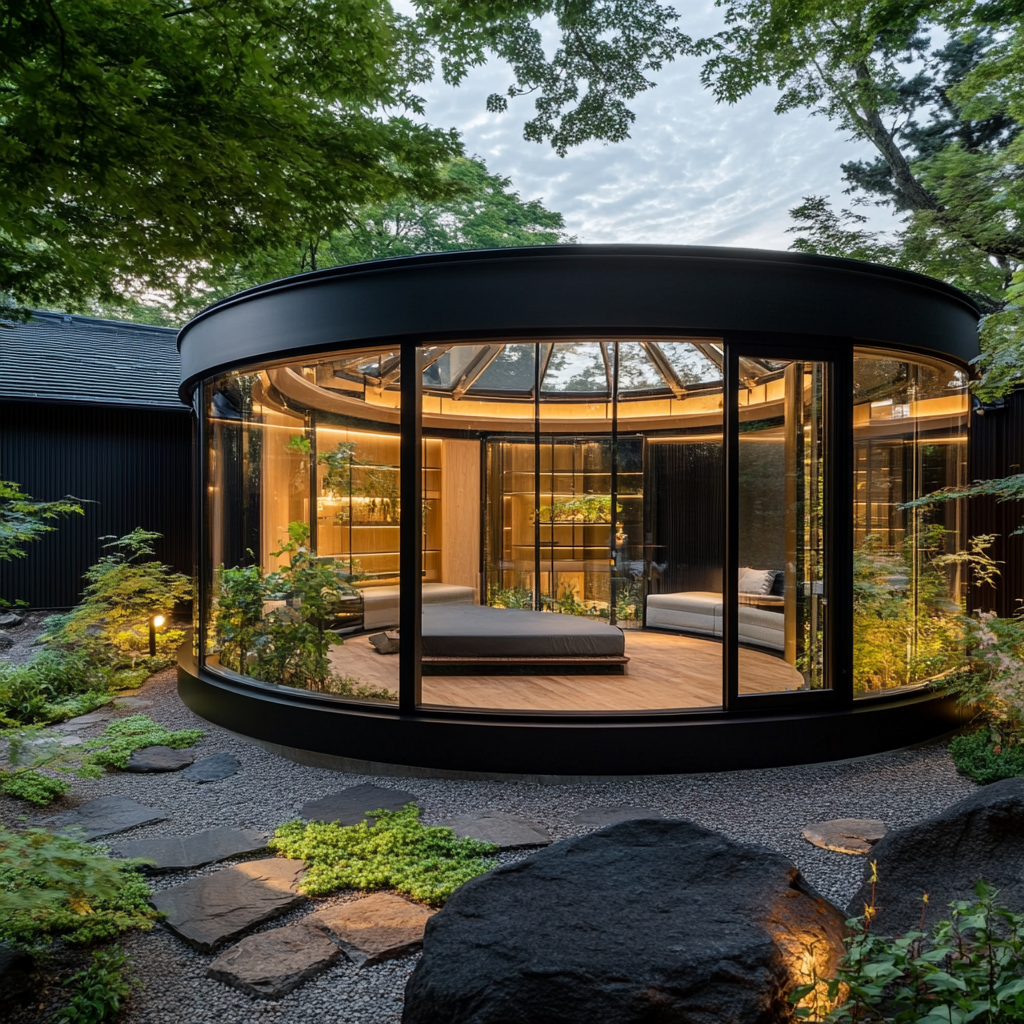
(761, 621)
(380, 603)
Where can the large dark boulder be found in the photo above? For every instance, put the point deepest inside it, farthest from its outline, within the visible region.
(645, 921)
(982, 836)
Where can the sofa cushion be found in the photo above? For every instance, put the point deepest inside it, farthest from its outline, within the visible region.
(756, 581)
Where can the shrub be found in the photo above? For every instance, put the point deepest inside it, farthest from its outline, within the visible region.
(110, 626)
(966, 969)
(99, 988)
(54, 685)
(984, 759)
(397, 852)
(32, 786)
(290, 645)
(53, 885)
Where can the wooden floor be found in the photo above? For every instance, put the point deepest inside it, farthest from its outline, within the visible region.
(664, 671)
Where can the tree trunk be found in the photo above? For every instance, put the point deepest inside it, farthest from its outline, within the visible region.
(911, 190)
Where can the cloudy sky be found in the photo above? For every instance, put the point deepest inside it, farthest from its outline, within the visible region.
(693, 172)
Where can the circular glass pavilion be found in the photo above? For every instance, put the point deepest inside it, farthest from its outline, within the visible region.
(580, 510)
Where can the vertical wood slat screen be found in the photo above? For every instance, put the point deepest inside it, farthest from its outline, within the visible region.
(133, 463)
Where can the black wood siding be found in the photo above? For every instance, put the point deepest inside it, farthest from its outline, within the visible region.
(133, 463)
(997, 450)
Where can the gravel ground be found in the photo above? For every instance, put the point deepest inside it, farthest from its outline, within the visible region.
(768, 806)
(24, 636)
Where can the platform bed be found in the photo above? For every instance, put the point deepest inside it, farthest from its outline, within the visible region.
(511, 639)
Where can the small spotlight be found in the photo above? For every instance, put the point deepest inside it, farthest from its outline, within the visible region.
(158, 621)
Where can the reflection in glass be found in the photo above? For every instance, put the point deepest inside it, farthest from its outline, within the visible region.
(576, 366)
(783, 522)
(909, 440)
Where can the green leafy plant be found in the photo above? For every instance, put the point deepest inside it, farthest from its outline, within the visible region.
(111, 623)
(99, 988)
(568, 603)
(629, 600)
(23, 520)
(114, 747)
(54, 885)
(905, 628)
(32, 786)
(588, 508)
(968, 968)
(338, 473)
(348, 686)
(509, 597)
(396, 852)
(992, 688)
(290, 644)
(985, 756)
(54, 685)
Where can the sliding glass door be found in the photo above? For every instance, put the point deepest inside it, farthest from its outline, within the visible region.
(783, 521)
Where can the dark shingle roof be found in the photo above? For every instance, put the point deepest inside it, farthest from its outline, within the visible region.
(65, 358)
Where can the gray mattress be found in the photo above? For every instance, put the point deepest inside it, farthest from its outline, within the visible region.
(463, 631)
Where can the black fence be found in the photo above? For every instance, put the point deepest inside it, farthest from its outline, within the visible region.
(131, 465)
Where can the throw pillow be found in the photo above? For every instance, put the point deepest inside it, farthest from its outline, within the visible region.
(756, 581)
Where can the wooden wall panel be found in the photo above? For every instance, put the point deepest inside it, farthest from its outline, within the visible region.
(460, 513)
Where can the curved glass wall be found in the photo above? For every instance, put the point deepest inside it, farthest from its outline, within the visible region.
(909, 440)
(573, 524)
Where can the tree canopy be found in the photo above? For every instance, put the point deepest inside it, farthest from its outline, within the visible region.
(155, 146)
(477, 210)
(148, 144)
(945, 121)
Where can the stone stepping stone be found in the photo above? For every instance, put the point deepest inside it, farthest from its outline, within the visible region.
(505, 830)
(107, 815)
(613, 815)
(8, 620)
(83, 721)
(178, 853)
(376, 928)
(349, 806)
(159, 759)
(213, 909)
(138, 703)
(212, 768)
(846, 835)
(270, 964)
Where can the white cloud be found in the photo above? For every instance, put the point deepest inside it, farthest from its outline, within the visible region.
(693, 172)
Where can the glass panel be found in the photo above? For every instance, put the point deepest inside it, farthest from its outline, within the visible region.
(694, 362)
(783, 592)
(909, 429)
(303, 516)
(577, 366)
(636, 370)
(511, 370)
(581, 518)
(450, 368)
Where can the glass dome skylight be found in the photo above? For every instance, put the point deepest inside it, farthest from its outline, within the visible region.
(583, 368)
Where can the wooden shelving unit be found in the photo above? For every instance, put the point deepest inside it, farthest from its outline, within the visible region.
(361, 526)
(562, 540)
